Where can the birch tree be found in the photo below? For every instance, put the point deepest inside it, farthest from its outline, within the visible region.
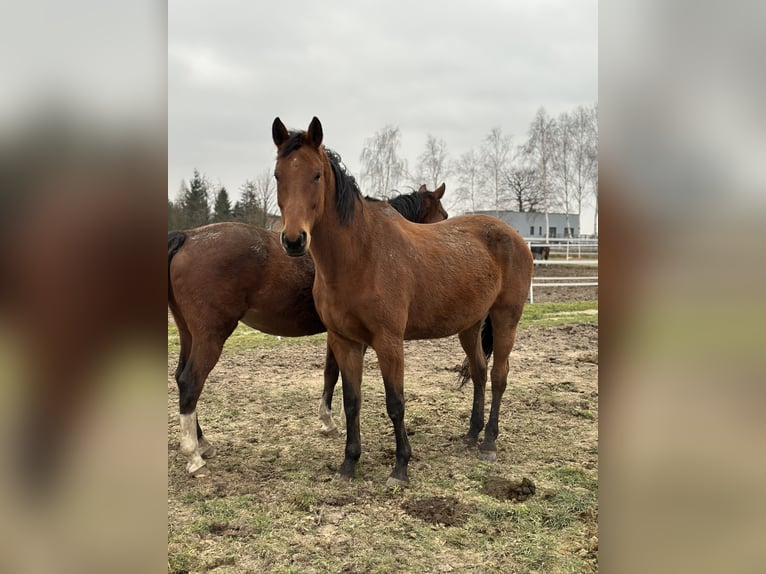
(382, 168)
(538, 151)
(433, 164)
(495, 154)
(470, 176)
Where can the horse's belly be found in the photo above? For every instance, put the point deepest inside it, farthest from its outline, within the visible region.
(283, 325)
(436, 331)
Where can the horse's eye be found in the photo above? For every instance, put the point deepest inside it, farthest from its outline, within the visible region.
(276, 176)
(317, 176)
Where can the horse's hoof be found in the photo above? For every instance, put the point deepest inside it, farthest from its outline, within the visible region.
(209, 452)
(488, 455)
(342, 477)
(470, 442)
(331, 433)
(393, 483)
(201, 472)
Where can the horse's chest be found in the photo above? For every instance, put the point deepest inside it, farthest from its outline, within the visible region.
(344, 311)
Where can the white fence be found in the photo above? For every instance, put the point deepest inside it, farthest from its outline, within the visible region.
(590, 281)
(562, 246)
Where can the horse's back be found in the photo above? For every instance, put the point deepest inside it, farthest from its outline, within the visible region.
(461, 268)
(213, 252)
(501, 241)
(238, 272)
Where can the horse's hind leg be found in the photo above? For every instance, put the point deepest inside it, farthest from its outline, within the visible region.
(203, 357)
(504, 325)
(207, 450)
(331, 372)
(477, 365)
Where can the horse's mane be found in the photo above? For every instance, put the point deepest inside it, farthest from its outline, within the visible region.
(408, 204)
(346, 189)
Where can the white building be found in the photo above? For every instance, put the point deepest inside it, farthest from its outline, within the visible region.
(539, 225)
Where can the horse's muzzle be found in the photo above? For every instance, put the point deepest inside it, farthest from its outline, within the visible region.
(297, 247)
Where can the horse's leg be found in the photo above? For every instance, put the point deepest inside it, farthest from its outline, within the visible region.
(206, 449)
(470, 340)
(505, 335)
(331, 372)
(391, 361)
(203, 357)
(349, 355)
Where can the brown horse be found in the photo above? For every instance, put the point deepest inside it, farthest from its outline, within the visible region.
(381, 280)
(224, 273)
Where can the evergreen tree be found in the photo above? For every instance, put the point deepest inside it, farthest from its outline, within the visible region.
(248, 208)
(222, 207)
(195, 204)
(175, 216)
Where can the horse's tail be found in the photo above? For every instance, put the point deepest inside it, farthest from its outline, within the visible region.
(175, 242)
(487, 344)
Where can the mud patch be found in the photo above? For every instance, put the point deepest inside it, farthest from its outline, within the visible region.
(439, 510)
(505, 489)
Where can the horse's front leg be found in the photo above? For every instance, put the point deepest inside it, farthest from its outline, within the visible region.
(331, 372)
(349, 355)
(391, 361)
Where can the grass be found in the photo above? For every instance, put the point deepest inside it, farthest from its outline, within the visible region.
(245, 338)
(549, 314)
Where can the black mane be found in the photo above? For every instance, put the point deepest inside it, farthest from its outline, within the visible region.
(346, 189)
(409, 205)
(293, 142)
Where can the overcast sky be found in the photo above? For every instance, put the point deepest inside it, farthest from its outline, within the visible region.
(452, 69)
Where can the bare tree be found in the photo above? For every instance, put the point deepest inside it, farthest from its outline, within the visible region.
(538, 151)
(495, 154)
(471, 179)
(594, 165)
(563, 165)
(433, 164)
(382, 168)
(521, 182)
(584, 153)
(265, 190)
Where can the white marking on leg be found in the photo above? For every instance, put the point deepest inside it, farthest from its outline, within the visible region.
(325, 416)
(189, 444)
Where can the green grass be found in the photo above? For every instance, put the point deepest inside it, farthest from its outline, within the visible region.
(548, 314)
(245, 338)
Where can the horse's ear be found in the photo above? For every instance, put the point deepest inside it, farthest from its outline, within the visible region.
(423, 189)
(279, 132)
(314, 135)
(439, 191)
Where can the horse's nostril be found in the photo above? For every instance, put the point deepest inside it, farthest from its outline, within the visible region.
(294, 245)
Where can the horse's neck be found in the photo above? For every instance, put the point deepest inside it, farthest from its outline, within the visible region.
(338, 247)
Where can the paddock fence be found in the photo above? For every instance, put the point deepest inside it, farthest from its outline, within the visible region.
(567, 252)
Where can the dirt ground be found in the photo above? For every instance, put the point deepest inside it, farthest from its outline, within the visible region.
(271, 503)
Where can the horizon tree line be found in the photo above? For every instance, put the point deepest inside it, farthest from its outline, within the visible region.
(554, 168)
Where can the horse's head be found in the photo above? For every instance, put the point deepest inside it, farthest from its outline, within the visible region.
(302, 173)
(432, 210)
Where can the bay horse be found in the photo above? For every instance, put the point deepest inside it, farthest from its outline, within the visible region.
(224, 273)
(381, 279)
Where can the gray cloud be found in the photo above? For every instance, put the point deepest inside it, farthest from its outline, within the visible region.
(455, 70)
